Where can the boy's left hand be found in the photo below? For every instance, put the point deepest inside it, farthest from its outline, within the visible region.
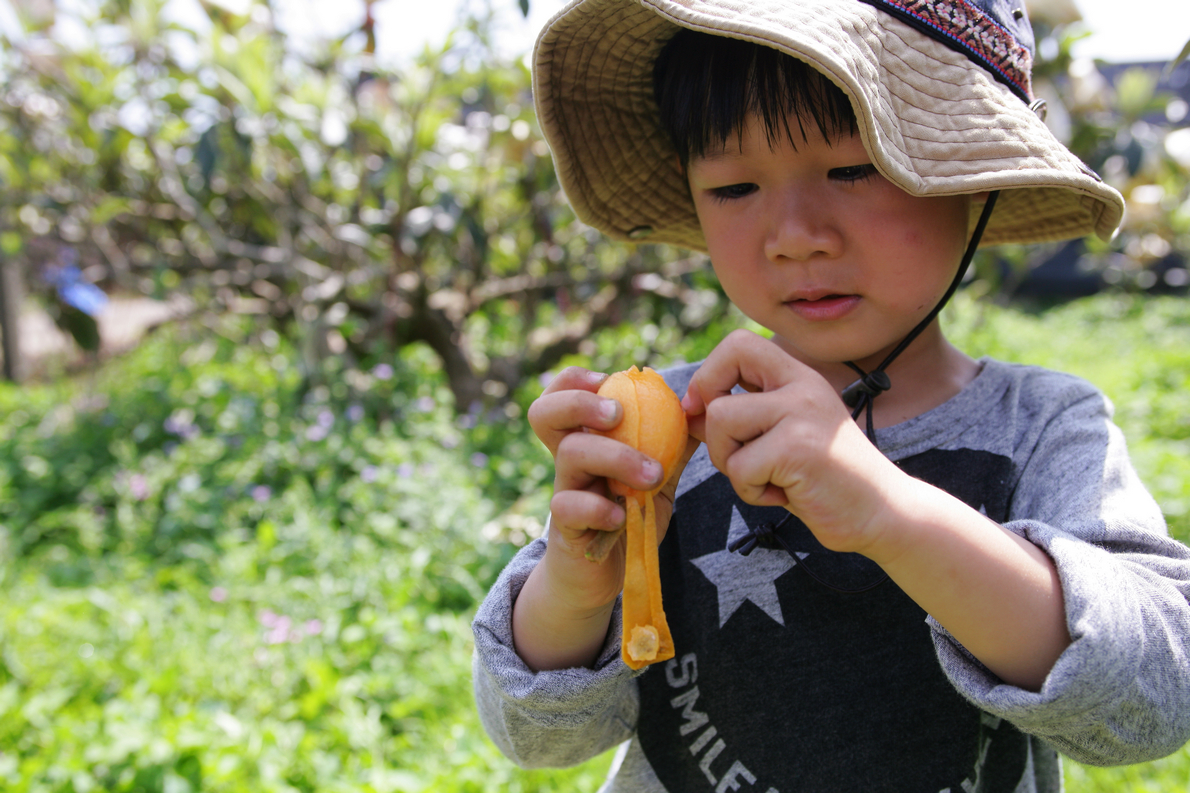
(789, 442)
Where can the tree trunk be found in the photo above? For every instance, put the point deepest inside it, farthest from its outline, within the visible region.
(11, 297)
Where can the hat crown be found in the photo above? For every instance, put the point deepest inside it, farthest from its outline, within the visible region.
(995, 34)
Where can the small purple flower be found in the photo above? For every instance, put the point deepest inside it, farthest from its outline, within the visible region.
(181, 423)
(316, 433)
(326, 419)
(262, 493)
(405, 470)
(369, 473)
(479, 459)
(382, 371)
(313, 627)
(424, 404)
(355, 412)
(138, 486)
(545, 378)
(218, 594)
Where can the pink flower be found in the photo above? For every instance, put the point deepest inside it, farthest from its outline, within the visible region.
(138, 486)
(218, 594)
(279, 632)
(268, 618)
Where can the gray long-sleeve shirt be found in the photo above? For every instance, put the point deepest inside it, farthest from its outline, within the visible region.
(808, 671)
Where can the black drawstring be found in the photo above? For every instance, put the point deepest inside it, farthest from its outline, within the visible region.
(863, 392)
(766, 536)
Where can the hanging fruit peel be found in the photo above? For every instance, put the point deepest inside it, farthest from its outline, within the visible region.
(655, 424)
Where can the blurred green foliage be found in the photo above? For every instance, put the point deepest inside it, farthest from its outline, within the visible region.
(353, 208)
(1130, 126)
(214, 583)
(216, 580)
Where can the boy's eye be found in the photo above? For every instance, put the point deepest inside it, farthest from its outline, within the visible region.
(732, 191)
(853, 173)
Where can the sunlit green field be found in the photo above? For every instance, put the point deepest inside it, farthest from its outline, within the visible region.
(224, 573)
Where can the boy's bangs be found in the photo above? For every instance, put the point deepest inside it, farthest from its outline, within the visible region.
(707, 87)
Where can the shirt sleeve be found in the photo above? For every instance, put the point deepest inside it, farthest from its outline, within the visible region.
(547, 719)
(1120, 693)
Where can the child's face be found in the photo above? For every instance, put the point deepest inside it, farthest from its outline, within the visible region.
(819, 248)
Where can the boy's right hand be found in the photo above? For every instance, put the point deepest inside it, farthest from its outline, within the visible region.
(561, 617)
(583, 463)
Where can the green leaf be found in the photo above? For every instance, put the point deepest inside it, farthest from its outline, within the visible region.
(11, 243)
(266, 535)
(108, 208)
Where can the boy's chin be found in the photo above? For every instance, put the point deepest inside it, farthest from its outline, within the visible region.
(830, 358)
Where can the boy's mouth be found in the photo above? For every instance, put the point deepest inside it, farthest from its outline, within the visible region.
(823, 307)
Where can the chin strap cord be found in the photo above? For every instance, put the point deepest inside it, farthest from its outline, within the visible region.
(860, 395)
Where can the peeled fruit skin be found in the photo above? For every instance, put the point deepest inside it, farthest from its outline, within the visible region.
(655, 424)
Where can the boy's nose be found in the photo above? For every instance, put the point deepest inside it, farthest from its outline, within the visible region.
(800, 228)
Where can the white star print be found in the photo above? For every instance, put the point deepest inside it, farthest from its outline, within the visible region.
(739, 578)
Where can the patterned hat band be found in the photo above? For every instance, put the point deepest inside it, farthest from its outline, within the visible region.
(995, 35)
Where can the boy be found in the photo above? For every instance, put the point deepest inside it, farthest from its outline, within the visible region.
(931, 602)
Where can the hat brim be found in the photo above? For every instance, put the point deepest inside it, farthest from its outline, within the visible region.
(933, 122)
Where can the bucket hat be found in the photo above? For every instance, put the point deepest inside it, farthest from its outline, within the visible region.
(941, 91)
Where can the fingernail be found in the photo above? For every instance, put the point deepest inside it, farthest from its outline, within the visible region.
(608, 408)
(596, 377)
(619, 516)
(651, 470)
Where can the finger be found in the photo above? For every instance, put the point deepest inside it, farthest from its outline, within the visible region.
(575, 377)
(752, 486)
(555, 415)
(735, 420)
(742, 358)
(757, 468)
(576, 511)
(585, 458)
